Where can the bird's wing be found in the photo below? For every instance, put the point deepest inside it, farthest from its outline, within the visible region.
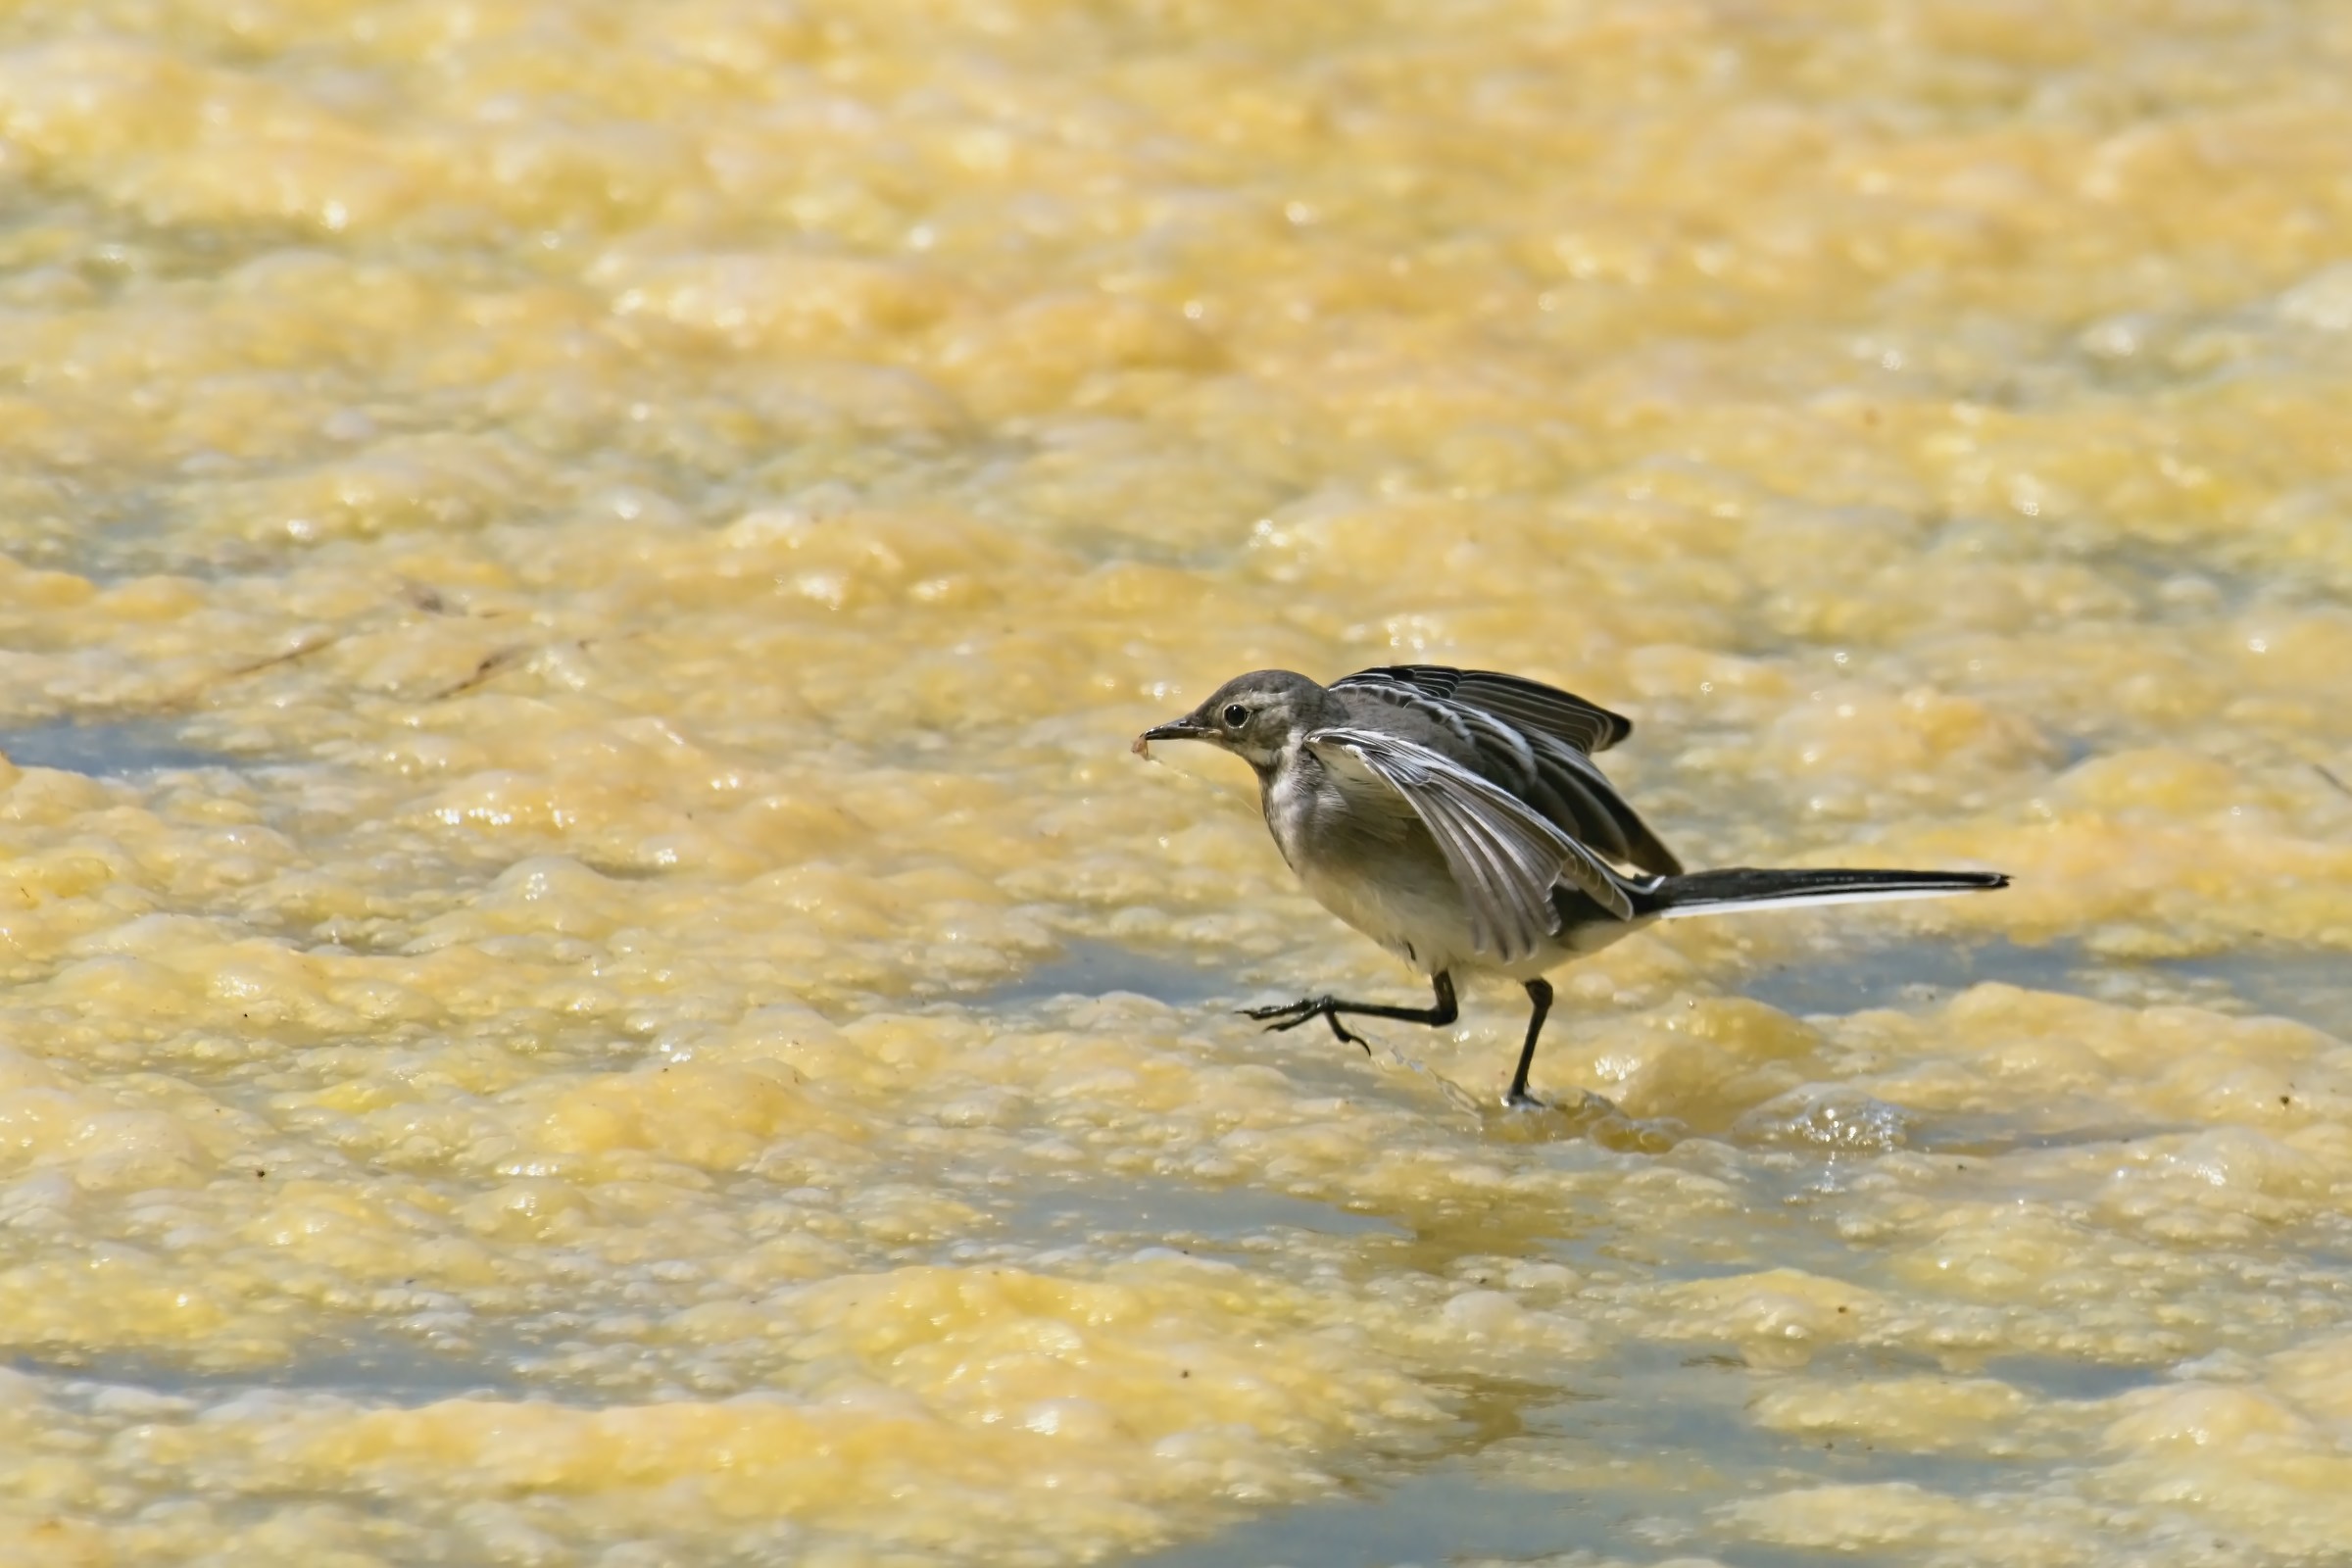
(1533, 741)
(1526, 703)
(1504, 855)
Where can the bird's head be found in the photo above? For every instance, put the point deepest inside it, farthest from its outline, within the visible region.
(1255, 716)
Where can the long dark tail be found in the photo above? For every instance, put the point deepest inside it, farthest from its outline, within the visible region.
(1672, 898)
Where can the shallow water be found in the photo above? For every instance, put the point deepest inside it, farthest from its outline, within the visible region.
(591, 979)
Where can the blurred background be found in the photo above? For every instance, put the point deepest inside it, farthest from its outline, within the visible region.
(590, 978)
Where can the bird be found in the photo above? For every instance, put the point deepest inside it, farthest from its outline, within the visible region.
(1456, 817)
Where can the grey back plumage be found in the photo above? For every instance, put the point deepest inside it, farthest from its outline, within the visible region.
(1534, 741)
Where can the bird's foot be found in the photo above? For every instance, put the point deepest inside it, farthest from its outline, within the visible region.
(1583, 1105)
(1290, 1014)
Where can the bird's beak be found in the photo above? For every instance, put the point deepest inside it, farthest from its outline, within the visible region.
(1175, 729)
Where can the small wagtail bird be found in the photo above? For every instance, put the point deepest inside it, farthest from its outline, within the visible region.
(1456, 817)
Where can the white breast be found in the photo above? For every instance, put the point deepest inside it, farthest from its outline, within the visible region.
(1372, 865)
(1370, 862)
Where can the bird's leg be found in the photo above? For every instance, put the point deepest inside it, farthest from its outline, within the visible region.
(1290, 1014)
(1539, 992)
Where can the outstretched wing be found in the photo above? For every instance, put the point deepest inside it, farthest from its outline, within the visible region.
(1533, 741)
(1526, 703)
(1503, 855)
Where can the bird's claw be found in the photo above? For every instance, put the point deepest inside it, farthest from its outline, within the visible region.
(1290, 1014)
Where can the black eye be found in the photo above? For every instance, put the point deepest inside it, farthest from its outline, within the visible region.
(1235, 715)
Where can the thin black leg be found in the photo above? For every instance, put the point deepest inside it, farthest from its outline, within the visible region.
(1539, 992)
(1290, 1014)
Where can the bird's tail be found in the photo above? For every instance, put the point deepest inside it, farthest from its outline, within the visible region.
(1672, 898)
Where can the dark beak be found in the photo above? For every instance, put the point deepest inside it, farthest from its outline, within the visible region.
(1175, 729)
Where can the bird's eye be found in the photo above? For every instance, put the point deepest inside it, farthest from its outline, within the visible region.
(1235, 716)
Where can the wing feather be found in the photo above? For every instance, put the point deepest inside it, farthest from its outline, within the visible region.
(1503, 855)
(1530, 704)
(1536, 742)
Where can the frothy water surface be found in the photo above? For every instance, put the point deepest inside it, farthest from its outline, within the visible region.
(591, 979)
